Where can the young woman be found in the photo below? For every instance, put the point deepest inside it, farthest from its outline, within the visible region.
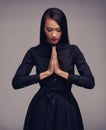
(54, 107)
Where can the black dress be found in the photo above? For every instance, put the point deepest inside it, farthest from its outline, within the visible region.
(53, 107)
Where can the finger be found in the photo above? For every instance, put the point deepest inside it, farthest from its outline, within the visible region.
(53, 55)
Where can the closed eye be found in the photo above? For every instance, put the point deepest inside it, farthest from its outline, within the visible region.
(49, 29)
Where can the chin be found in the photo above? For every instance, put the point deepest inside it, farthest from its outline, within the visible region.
(54, 43)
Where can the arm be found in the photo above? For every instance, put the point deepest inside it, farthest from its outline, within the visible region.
(22, 77)
(85, 77)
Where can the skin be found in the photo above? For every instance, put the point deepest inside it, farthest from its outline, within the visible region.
(53, 33)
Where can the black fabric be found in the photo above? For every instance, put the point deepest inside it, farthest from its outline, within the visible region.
(53, 107)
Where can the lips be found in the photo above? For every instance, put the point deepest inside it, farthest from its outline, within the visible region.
(54, 40)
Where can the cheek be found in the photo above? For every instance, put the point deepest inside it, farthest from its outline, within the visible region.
(47, 34)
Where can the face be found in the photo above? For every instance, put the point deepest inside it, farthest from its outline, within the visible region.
(52, 31)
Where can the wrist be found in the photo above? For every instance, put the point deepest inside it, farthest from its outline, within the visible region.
(48, 72)
(45, 74)
(58, 72)
(62, 74)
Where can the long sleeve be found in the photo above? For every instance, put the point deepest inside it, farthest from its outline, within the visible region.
(22, 76)
(85, 77)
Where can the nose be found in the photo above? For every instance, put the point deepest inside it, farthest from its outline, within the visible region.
(54, 34)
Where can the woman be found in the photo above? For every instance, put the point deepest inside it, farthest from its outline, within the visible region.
(54, 107)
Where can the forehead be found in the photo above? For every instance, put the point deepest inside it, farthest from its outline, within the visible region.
(51, 23)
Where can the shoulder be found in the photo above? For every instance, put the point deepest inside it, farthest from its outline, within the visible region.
(33, 49)
(31, 52)
(73, 47)
(75, 50)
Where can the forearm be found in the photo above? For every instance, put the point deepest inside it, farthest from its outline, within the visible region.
(20, 81)
(82, 80)
(63, 74)
(45, 74)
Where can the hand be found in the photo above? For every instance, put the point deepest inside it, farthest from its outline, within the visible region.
(50, 69)
(56, 67)
(51, 66)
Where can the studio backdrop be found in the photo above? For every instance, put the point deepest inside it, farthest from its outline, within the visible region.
(19, 30)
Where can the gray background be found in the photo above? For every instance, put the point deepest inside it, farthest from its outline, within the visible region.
(19, 30)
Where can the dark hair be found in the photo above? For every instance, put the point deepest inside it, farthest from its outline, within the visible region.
(59, 16)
